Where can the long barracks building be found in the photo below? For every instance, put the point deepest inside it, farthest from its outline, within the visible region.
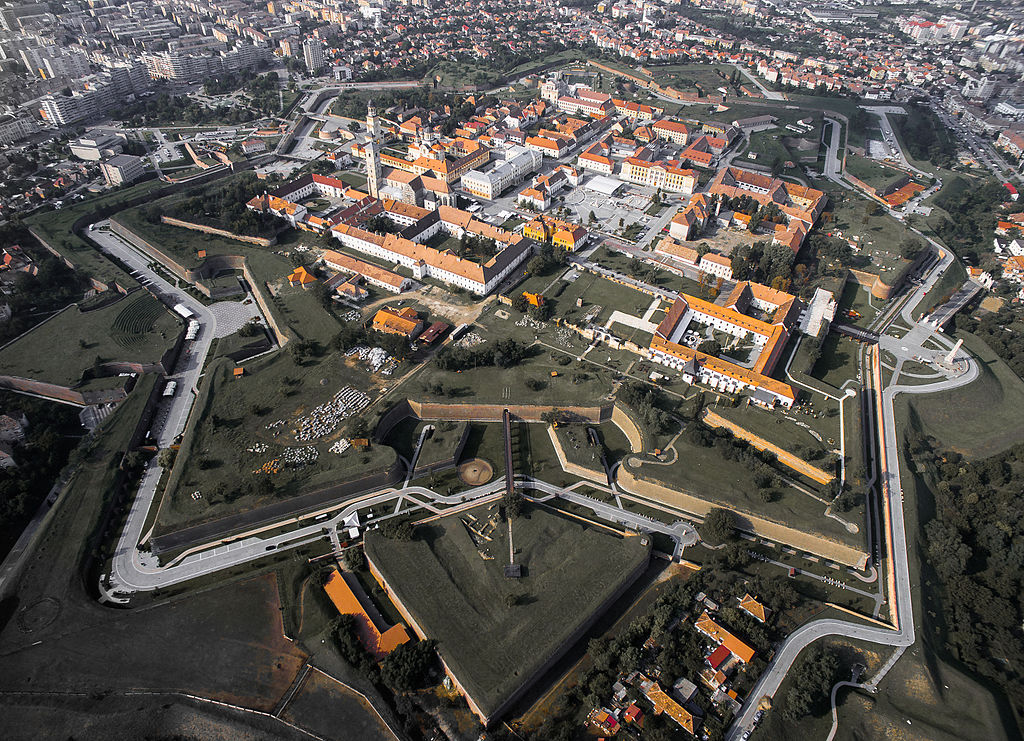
(409, 248)
(769, 337)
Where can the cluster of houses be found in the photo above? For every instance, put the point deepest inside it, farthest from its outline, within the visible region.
(350, 224)
(12, 432)
(658, 154)
(637, 694)
(1010, 253)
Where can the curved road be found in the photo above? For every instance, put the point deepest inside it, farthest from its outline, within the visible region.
(904, 635)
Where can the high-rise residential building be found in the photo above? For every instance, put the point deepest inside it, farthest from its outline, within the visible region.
(122, 168)
(63, 110)
(49, 62)
(313, 53)
(12, 13)
(15, 128)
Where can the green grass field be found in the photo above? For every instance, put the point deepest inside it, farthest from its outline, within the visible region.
(459, 598)
(705, 473)
(687, 77)
(299, 309)
(879, 235)
(55, 228)
(324, 706)
(977, 420)
(872, 172)
(136, 328)
(944, 288)
(230, 439)
(838, 361)
(769, 148)
(782, 428)
(439, 446)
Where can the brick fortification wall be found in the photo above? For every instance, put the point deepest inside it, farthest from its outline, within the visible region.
(493, 412)
(259, 241)
(819, 545)
(210, 267)
(61, 393)
(639, 485)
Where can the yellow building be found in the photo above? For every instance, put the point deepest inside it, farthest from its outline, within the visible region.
(560, 233)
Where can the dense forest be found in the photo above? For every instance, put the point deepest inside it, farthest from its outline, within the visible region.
(972, 215)
(993, 329)
(53, 431)
(220, 205)
(167, 109)
(33, 298)
(973, 547)
(926, 137)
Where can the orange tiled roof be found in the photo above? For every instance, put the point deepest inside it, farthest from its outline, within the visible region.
(720, 635)
(346, 602)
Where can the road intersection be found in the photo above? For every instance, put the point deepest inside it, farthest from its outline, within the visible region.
(903, 634)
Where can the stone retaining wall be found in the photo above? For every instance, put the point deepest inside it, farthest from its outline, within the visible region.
(493, 412)
(818, 545)
(259, 241)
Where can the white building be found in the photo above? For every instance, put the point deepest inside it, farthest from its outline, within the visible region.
(716, 264)
(15, 128)
(121, 169)
(313, 54)
(518, 163)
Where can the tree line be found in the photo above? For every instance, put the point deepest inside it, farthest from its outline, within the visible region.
(974, 551)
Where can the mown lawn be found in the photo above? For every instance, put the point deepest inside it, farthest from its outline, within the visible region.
(462, 600)
(135, 328)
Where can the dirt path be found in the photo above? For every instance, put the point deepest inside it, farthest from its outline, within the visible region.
(437, 301)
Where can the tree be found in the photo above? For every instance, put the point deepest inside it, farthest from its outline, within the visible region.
(711, 347)
(718, 526)
(911, 247)
(513, 504)
(166, 457)
(353, 559)
(409, 666)
(520, 303)
(401, 531)
(812, 683)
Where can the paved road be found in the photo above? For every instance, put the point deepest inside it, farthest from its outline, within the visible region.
(681, 532)
(769, 94)
(134, 572)
(833, 165)
(904, 634)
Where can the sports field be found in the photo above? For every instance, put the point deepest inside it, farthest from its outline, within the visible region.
(136, 328)
(461, 599)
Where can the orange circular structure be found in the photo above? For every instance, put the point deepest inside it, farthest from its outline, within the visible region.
(476, 471)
